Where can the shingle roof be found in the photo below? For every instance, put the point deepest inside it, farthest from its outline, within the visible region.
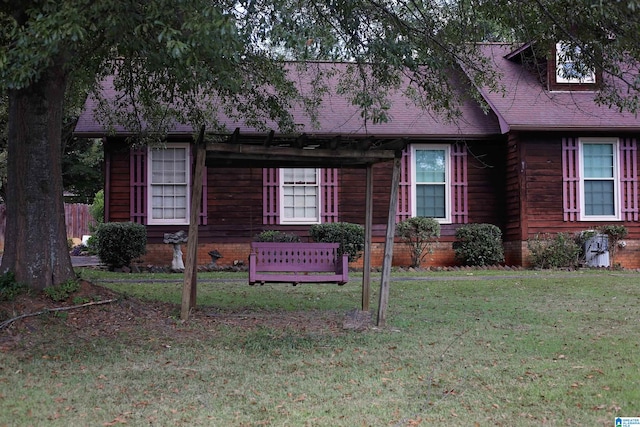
(337, 116)
(526, 104)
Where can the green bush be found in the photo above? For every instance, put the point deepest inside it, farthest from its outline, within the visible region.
(92, 245)
(479, 245)
(62, 291)
(276, 236)
(97, 208)
(117, 243)
(420, 234)
(615, 233)
(560, 251)
(350, 236)
(9, 288)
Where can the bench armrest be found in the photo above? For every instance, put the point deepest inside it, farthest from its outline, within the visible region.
(342, 267)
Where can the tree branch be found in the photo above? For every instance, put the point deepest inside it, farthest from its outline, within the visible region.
(49, 310)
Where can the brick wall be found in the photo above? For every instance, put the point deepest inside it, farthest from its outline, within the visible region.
(162, 254)
(516, 253)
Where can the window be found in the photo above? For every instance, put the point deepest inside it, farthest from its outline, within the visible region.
(568, 67)
(599, 183)
(278, 210)
(300, 196)
(168, 177)
(430, 182)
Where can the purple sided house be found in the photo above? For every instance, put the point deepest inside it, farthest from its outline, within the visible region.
(544, 158)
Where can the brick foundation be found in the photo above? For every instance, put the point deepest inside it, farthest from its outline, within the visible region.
(161, 255)
(516, 254)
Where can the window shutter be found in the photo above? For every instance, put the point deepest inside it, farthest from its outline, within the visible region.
(570, 179)
(138, 185)
(329, 195)
(459, 184)
(629, 179)
(403, 210)
(270, 195)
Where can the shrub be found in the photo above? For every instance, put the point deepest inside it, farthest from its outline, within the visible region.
(79, 250)
(479, 245)
(9, 288)
(62, 291)
(117, 243)
(92, 245)
(350, 236)
(97, 208)
(561, 250)
(276, 236)
(420, 234)
(615, 233)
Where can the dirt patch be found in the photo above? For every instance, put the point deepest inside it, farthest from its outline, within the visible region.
(137, 320)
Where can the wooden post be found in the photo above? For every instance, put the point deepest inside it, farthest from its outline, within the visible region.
(368, 223)
(189, 287)
(388, 244)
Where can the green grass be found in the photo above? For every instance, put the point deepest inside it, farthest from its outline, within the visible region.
(517, 348)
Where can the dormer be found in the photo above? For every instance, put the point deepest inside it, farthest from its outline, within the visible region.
(565, 72)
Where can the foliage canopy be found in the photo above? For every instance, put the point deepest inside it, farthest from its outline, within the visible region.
(165, 56)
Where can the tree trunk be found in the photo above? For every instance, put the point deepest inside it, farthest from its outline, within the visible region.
(35, 247)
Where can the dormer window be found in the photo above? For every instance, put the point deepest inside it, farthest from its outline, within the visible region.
(570, 70)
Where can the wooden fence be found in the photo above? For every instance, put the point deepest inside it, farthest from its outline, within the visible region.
(77, 217)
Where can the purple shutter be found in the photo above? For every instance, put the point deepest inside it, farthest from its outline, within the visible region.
(403, 210)
(270, 195)
(629, 179)
(329, 195)
(138, 185)
(459, 184)
(570, 179)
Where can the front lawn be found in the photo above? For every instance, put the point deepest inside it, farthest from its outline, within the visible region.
(514, 348)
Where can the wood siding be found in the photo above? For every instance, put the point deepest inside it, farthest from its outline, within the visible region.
(118, 198)
(540, 207)
(486, 177)
(235, 197)
(514, 197)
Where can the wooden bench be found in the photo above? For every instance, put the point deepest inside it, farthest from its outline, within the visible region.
(278, 262)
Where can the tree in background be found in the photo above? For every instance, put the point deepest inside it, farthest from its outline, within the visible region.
(82, 174)
(165, 56)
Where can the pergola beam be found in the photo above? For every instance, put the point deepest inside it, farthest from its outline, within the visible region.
(317, 157)
(388, 244)
(189, 288)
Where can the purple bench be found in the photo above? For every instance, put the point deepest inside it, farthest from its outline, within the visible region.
(278, 262)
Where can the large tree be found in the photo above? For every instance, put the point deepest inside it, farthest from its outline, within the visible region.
(165, 56)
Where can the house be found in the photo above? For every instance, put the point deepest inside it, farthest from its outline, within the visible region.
(544, 158)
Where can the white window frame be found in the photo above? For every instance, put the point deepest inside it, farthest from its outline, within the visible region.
(172, 221)
(615, 142)
(447, 179)
(561, 49)
(302, 220)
